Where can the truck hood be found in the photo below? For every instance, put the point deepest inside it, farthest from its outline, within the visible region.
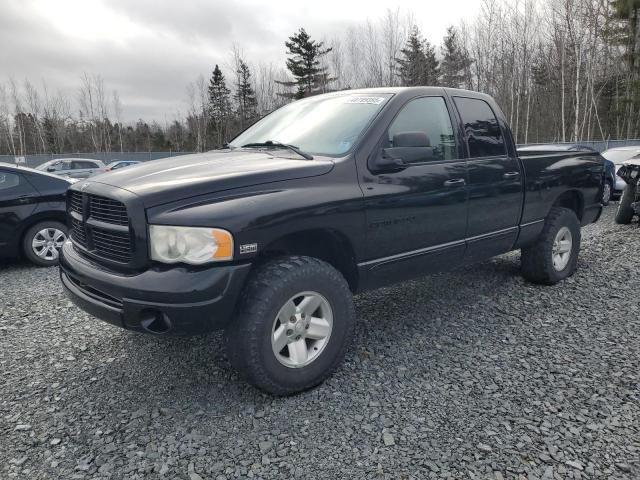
(163, 181)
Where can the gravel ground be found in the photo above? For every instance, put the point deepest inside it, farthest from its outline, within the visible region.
(470, 374)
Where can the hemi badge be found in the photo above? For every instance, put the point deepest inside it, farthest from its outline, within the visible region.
(248, 248)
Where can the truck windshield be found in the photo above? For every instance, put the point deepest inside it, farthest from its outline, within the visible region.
(323, 125)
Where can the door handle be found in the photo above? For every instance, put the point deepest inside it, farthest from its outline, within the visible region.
(454, 182)
(511, 175)
(24, 199)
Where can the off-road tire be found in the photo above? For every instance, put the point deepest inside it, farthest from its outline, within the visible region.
(27, 238)
(624, 213)
(248, 337)
(537, 259)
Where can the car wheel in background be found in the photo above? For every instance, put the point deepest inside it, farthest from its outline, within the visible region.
(42, 242)
(554, 256)
(607, 191)
(625, 212)
(294, 324)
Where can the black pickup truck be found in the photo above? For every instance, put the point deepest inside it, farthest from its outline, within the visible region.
(325, 197)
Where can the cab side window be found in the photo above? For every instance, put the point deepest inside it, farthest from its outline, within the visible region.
(425, 123)
(9, 181)
(82, 165)
(481, 127)
(13, 185)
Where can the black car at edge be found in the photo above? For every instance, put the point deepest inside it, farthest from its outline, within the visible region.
(327, 196)
(32, 214)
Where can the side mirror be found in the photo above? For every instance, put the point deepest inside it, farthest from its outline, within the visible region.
(389, 160)
(51, 169)
(408, 148)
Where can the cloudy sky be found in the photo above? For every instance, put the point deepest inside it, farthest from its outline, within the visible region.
(149, 50)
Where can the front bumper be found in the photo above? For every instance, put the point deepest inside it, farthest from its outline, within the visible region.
(172, 300)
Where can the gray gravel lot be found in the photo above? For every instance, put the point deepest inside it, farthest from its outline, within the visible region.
(470, 374)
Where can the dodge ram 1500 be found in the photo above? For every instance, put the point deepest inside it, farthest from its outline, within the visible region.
(269, 237)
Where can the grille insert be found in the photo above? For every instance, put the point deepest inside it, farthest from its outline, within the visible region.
(78, 233)
(76, 201)
(107, 210)
(113, 245)
(97, 226)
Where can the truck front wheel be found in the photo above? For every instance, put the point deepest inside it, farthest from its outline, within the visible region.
(624, 213)
(554, 256)
(294, 324)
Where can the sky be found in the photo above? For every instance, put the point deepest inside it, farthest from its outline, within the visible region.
(149, 50)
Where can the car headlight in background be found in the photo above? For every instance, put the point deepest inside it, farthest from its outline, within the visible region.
(193, 245)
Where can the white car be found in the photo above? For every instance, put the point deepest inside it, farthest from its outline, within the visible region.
(618, 156)
(72, 167)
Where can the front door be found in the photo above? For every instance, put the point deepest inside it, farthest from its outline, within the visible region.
(416, 214)
(494, 182)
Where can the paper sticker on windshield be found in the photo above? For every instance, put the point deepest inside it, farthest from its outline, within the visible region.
(367, 100)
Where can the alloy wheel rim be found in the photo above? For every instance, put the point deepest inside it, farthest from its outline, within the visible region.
(561, 252)
(301, 329)
(47, 242)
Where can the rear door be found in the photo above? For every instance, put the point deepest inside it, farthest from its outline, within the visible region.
(494, 180)
(83, 168)
(18, 200)
(416, 217)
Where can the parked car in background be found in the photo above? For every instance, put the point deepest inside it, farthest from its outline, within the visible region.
(609, 167)
(561, 147)
(72, 167)
(269, 237)
(610, 181)
(32, 214)
(629, 206)
(120, 164)
(618, 156)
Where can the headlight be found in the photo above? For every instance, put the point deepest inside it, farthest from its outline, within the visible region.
(193, 245)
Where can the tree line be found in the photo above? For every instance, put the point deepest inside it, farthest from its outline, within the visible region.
(562, 70)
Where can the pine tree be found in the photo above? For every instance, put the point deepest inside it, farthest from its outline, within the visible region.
(455, 61)
(219, 105)
(431, 71)
(628, 13)
(418, 64)
(304, 64)
(245, 96)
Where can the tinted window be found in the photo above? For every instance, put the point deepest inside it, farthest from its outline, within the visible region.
(427, 115)
(78, 165)
(12, 184)
(8, 180)
(481, 126)
(55, 166)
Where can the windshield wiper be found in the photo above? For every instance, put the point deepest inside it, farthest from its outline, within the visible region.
(271, 143)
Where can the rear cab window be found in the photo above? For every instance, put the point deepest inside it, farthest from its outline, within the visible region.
(482, 130)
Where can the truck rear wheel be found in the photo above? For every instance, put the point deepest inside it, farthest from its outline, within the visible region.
(625, 212)
(294, 324)
(554, 256)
